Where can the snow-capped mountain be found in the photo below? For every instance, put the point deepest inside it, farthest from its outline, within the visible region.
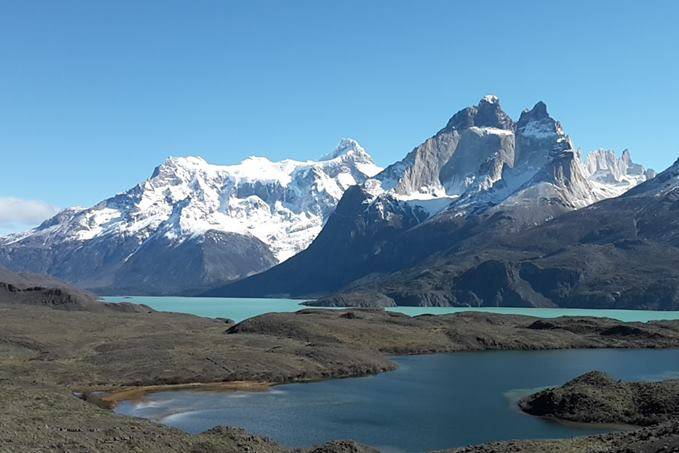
(482, 158)
(482, 176)
(192, 224)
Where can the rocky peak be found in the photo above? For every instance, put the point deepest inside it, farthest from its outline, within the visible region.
(675, 167)
(488, 113)
(536, 123)
(173, 166)
(539, 137)
(348, 147)
(626, 156)
(605, 167)
(537, 113)
(605, 159)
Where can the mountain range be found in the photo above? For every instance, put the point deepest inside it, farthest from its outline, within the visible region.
(487, 211)
(191, 225)
(619, 253)
(476, 216)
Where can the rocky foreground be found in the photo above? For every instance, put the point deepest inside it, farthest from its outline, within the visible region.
(47, 354)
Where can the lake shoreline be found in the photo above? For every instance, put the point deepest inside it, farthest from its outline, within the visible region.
(114, 350)
(108, 398)
(240, 309)
(455, 383)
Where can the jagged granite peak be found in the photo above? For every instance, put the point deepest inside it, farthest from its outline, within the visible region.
(219, 222)
(537, 122)
(538, 113)
(488, 113)
(466, 164)
(472, 150)
(615, 174)
(539, 137)
(348, 147)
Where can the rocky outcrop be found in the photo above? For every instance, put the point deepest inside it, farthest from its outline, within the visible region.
(343, 446)
(596, 397)
(357, 300)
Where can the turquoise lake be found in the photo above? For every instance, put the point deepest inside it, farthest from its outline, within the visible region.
(239, 309)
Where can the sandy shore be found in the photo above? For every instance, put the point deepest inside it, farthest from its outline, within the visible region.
(109, 398)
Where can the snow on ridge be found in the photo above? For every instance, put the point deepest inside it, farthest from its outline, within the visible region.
(284, 204)
(490, 131)
(538, 130)
(491, 99)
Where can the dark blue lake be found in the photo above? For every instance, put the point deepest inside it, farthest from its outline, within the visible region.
(431, 402)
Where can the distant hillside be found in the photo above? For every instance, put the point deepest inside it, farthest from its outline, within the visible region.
(34, 289)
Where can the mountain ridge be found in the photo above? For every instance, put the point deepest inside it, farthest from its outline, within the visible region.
(191, 225)
(620, 253)
(473, 180)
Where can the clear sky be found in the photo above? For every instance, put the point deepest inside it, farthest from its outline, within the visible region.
(94, 95)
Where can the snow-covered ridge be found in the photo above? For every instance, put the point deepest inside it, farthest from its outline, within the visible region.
(615, 174)
(283, 204)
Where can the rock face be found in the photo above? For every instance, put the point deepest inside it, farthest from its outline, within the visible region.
(192, 225)
(481, 177)
(596, 397)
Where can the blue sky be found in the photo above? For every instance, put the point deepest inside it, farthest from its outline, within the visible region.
(94, 95)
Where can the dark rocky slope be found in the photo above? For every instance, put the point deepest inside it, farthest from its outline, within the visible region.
(160, 266)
